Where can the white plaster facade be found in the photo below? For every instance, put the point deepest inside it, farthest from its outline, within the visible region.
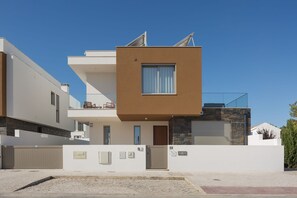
(101, 88)
(29, 90)
(123, 132)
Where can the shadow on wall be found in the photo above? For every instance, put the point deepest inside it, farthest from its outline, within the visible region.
(101, 88)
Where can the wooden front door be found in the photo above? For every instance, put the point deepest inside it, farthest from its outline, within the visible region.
(160, 135)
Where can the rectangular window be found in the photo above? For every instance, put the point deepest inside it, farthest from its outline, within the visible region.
(106, 131)
(57, 108)
(136, 135)
(158, 79)
(52, 98)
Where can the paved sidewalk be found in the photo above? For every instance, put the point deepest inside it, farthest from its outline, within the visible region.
(282, 179)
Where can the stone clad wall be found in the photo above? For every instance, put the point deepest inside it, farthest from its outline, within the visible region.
(240, 119)
(180, 131)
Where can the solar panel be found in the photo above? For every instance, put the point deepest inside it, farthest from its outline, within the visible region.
(139, 41)
(185, 42)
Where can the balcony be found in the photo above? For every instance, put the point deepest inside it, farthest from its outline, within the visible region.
(91, 112)
(228, 100)
(88, 115)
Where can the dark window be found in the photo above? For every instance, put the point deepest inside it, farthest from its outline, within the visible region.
(106, 134)
(57, 109)
(52, 98)
(39, 129)
(137, 135)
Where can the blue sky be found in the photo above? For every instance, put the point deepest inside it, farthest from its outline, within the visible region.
(248, 46)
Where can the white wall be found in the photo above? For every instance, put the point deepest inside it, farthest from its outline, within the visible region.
(74, 103)
(81, 135)
(258, 140)
(101, 88)
(29, 91)
(276, 131)
(92, 161)
(0, 157)
(123, 132)
(200, 158)
(233, 158)
(10, 49)
(33, 138)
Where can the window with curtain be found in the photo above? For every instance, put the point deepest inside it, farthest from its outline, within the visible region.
(158, 79)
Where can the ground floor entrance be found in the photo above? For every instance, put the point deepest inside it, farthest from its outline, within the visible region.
(129, 133)
(160, 135)
(156, 155)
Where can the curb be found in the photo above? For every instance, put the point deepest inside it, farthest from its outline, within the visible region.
(36, 183)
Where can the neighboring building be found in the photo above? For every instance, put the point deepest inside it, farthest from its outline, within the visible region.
(153, 96)
(272, 128)
(31, 99)
(257, 139)
(81, 129)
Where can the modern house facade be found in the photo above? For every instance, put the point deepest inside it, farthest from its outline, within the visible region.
(147, 102)
(31, 99)
(152, 96)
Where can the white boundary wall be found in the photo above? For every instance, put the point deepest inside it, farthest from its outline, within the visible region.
(33, 138)
(91, 162)
(258, 140)
(233, 158)
(187, 158)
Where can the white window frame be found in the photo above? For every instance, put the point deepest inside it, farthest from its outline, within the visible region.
(158, 78)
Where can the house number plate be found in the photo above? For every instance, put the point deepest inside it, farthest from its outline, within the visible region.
(182, 153)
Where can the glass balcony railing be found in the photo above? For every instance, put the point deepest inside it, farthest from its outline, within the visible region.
(97, 101)
(231, 100)
(209, 99)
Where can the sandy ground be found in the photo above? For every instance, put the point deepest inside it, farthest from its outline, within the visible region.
(153, 187)
(136, 184)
